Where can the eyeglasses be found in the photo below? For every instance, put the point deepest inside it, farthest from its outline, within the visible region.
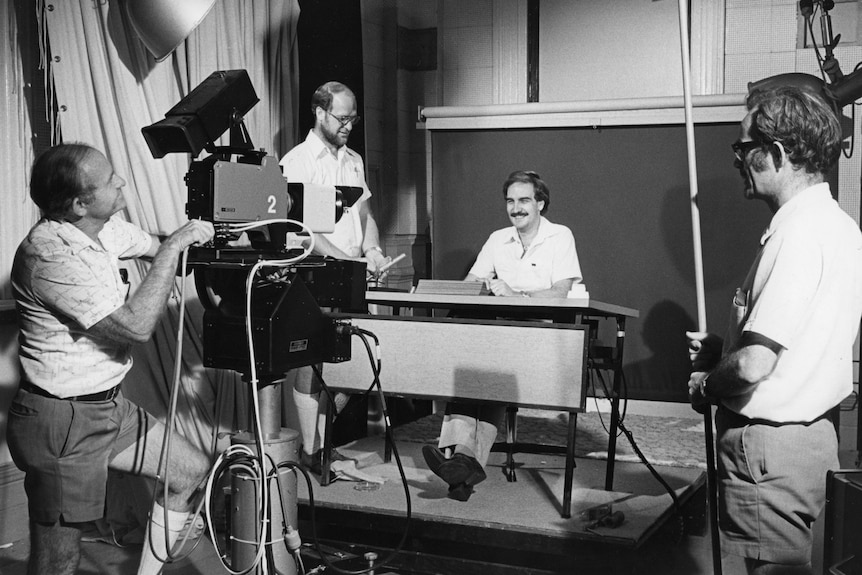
(344, 120)
(741, 149)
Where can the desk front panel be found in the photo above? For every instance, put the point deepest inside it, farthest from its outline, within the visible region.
(531, 364)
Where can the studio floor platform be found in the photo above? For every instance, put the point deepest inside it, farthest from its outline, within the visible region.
(505, 527)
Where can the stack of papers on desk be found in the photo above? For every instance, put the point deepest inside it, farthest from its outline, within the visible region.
(451, 287)
(578, 291)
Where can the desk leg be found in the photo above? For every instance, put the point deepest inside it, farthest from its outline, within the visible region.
(326, 459)
(570, 465)
(511, 439)
(615, 403)
(387, 433)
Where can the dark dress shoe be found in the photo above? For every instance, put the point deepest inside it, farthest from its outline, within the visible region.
(460, 468)
(460, 492)
(434, 458)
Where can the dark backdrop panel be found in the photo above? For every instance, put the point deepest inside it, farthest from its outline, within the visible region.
(624, 192)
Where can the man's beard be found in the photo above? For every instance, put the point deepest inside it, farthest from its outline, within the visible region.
(334, 138)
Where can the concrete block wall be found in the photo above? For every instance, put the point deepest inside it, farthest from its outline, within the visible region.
(396, 154)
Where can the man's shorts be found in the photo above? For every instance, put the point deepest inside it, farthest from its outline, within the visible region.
(64, 448)
(772, 485)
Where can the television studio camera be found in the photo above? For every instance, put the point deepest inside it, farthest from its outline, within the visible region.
(276, 316)
(237, 187)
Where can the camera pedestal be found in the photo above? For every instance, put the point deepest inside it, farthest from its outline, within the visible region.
(280, 444)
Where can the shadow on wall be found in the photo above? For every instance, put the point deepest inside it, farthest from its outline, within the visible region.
(730, 229)
(665, 372)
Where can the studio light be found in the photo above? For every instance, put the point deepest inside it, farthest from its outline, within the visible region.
(837, 94)
(841, 90)
(162, 25)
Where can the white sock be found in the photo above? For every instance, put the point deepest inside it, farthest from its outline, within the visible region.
(321, 417)
(341, 400)
(307, 407)
(486, 434)
(155, 547)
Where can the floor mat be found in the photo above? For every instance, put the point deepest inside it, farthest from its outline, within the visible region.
(674, 441)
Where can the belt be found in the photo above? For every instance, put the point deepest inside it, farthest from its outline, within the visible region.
(739, 419)
(106, 395)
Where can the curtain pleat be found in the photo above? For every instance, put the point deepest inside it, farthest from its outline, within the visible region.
(18, 213)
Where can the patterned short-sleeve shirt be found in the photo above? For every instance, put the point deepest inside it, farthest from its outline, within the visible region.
(64, 283)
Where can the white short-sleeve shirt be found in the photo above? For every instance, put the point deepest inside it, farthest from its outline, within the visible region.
(311, 162)
(552, 257)
(804, 291)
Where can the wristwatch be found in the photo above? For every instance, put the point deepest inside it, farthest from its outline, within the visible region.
(373, 248)
(703, 385)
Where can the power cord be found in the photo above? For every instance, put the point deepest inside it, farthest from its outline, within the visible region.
(596, 373)
(376, 366)
(630, 437)
(164, 455)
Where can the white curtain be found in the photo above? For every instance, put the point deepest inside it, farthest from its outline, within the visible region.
(18, 212)
(237, 35)
(108, 88)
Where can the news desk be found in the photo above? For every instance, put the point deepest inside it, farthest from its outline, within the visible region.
(541, 362)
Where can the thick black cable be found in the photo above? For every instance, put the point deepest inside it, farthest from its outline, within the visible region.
(625, 431)
(375, 368)
(808, 22)
(597, 373)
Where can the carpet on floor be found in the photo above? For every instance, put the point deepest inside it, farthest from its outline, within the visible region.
(670, 441)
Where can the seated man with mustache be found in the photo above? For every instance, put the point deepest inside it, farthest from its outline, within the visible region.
(533, 258)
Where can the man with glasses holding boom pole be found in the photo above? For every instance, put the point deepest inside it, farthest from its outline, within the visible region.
(787, 359)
